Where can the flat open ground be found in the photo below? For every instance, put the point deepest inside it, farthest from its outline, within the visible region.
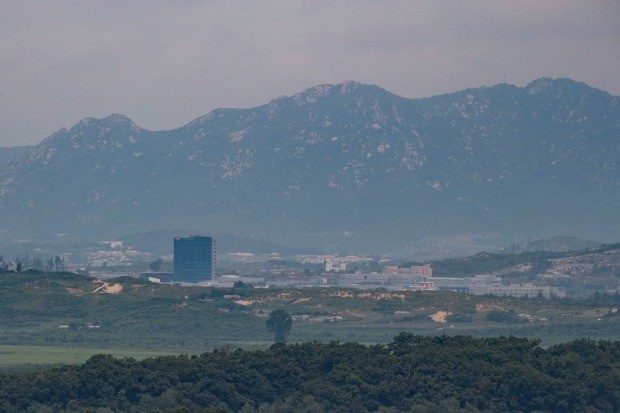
(64, 318)
(22, 355)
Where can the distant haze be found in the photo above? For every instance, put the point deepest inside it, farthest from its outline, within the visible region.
(164, 63)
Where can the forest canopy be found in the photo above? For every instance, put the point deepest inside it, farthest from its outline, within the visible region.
(411, 374)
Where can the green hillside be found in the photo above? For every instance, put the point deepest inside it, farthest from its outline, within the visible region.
(74, 311)
(537, 262)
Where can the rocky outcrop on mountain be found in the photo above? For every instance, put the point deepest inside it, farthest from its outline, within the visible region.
(339, 167)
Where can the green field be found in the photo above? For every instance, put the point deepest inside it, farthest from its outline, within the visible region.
(67, 317)
(11, 356)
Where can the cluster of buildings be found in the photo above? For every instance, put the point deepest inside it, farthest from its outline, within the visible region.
(195, 260)
(418, 278)
(491, 284)
(392, 277)
(114, 253)
(414, 278)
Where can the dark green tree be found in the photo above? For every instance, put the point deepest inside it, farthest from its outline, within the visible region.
(279, 323)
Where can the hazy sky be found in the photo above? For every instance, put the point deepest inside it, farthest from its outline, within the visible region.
(164, 63)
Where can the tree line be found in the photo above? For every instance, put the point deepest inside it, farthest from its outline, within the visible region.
(411, 374)
(55, 264)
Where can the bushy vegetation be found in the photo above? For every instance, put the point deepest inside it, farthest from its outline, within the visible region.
(486, 263)
(411, 374)
(175, 319)
(537, 262)
(502, 316)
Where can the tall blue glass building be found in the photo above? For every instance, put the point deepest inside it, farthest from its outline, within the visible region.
(194, 258)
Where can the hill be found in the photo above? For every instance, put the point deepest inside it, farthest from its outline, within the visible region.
(59, 309)
(602, 260)
(347, 167)
(556, 243)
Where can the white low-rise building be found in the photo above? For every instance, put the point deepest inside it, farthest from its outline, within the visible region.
(520, 290)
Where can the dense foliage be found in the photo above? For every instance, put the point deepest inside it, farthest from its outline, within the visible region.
(411, 374)
(279, 323)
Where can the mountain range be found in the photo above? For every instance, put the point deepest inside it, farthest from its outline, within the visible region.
(347, 167)
(8, 154)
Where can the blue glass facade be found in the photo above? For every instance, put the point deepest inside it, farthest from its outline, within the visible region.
(194, 258)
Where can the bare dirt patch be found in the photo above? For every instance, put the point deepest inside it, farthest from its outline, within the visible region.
(112, 289)
(74, 291)
(109, 288)
(440, 316)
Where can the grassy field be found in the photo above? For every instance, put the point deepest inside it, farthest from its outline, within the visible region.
(67, 317)
(12, 356)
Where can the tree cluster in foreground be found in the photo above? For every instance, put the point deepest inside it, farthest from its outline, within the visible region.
(411, 374)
